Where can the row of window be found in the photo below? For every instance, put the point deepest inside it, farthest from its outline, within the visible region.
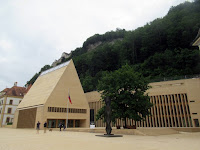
(64, 110)
(9, 110)
(10, 102)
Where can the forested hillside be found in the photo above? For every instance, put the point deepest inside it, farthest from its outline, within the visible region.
(161, 48)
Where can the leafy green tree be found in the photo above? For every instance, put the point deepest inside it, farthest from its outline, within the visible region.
(126, 90)
(87, 82)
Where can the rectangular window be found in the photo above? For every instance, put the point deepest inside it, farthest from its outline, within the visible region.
(9, 110)
(70, 123)
(194, 113)
(192, 101)
(11, 102)
(7, 119)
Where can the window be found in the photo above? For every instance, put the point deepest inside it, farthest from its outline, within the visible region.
(9, 110)
(64, 110)
(192, 101)
(7, 119)
(91, 115)
(11, 102)
(196, 122)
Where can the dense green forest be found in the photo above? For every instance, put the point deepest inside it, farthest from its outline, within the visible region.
(160, 49)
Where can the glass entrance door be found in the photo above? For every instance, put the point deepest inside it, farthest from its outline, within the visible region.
(70, 123)
(51, 123)
(77, 123)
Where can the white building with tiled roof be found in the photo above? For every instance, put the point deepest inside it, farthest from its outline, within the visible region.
(9, 100)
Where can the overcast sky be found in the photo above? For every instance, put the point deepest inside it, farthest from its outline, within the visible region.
(34, 33)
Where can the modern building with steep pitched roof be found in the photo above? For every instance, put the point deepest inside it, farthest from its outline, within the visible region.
(9, 100)
(47, 100)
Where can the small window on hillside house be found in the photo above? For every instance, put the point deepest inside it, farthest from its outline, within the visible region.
(7, 119)
(11, 102)
(9, 110)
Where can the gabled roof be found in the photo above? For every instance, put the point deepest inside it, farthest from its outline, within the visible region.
(43, 86)
(6, 89)
(52, 87)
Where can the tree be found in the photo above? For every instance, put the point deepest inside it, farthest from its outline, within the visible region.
(126, 90)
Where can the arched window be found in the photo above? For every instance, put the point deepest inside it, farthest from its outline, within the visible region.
(7, 119)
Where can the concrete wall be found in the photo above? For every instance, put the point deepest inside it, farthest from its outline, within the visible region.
(15, 121)
(193, 92)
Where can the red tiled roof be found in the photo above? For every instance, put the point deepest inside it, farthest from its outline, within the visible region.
(15, 91)
(6, 89)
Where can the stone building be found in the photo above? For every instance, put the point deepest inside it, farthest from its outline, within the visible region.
(47, 100)
(175, 104)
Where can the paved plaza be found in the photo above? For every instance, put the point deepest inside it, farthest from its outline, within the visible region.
(27, 139)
